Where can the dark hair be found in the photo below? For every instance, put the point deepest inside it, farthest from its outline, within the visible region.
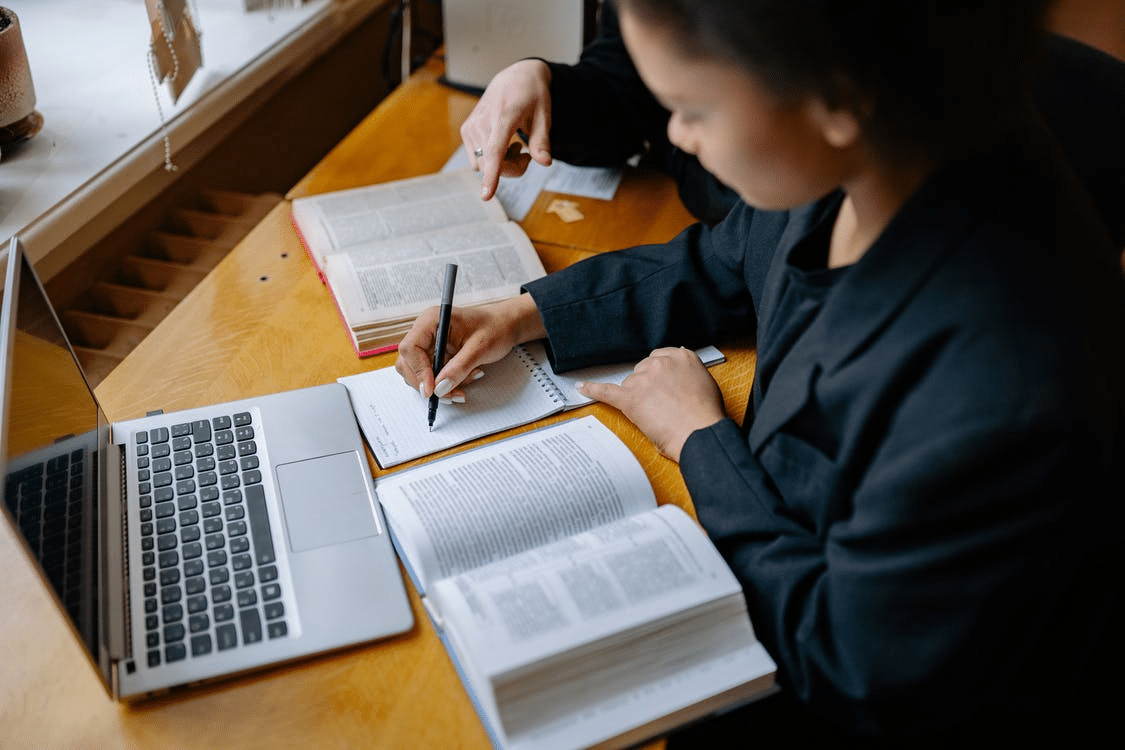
(920, 73)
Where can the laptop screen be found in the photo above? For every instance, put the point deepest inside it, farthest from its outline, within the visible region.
(50, 446)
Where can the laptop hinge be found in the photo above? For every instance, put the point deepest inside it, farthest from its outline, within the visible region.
(118, 627)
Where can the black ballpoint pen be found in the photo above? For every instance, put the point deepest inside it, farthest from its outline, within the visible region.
(442, 331)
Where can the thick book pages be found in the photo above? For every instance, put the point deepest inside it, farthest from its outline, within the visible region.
(517, 390)
(381, 250)
(577, 612)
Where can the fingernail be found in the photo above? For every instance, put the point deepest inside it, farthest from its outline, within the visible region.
(458, 399)
(422, 390)
(442, 388)
(477, 375)
(446, 401)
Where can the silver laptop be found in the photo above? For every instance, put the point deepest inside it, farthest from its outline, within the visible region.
(191, 545)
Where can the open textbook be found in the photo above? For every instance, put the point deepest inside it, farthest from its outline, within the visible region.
(577, 612)
(517, 390)
(381, 251)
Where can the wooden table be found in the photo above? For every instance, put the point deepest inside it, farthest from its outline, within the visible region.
(263, 322)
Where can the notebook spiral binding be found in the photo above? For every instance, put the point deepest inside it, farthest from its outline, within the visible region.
(539, 376)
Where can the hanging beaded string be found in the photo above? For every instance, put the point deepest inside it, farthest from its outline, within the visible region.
(167, 34)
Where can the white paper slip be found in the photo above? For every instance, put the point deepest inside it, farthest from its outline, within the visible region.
(518, 194)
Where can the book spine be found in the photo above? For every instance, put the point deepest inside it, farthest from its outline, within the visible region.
(540, 376)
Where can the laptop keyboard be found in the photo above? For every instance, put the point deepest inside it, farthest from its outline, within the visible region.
(210, 572)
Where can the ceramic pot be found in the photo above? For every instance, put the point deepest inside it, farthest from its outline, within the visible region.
(18, 118)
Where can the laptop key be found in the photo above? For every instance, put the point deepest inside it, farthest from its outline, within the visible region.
(200, 644)
(201, 431)
(251, 625)
(227, 636)
(277, 629)
(259, 524)
(175, 652)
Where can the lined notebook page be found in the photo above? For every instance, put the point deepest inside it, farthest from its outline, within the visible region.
(392, 415)
(518, 389)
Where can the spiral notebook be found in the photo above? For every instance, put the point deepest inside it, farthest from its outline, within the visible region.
(517, 390)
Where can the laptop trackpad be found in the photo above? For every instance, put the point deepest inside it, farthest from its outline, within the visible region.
(326, 501)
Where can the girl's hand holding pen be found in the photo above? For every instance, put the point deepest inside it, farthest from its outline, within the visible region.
(477, 336)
